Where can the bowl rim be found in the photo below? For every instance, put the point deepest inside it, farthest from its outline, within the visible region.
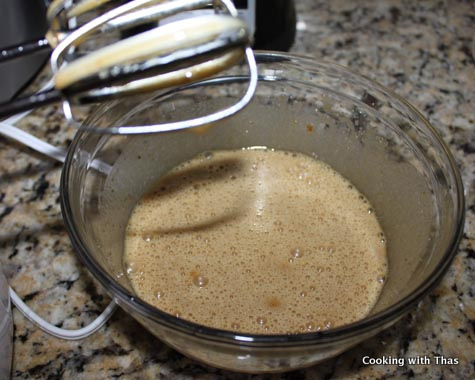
(373, 323)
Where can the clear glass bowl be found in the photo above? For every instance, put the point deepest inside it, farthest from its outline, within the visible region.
(372, 136)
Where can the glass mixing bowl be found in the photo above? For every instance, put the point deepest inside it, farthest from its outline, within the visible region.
(370, 135)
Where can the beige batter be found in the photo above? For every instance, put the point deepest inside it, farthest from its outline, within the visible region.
(256, 241)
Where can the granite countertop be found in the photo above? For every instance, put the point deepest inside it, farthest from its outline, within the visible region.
(422, 50)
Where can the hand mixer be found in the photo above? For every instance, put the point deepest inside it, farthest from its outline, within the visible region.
(177, 53)
(180, 52)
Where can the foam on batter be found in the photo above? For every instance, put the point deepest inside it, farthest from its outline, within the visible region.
(256, 241)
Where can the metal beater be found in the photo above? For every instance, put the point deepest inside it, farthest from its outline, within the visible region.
(180, 52)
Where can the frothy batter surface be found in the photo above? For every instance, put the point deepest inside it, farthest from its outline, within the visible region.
(257, 241)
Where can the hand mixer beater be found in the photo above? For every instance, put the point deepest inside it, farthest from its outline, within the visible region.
(179, 52)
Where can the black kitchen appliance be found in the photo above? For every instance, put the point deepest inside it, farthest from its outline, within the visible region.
(21, 21)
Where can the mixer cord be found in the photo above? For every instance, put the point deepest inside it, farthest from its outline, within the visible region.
(10, 131)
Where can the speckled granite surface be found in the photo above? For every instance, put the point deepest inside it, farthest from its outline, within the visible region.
(423, 50)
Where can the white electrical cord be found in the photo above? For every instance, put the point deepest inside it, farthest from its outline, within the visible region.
(8, 130)
(59, 332)
(32, 142)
